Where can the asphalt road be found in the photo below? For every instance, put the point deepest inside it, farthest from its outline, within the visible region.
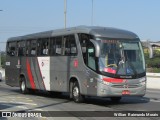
(12, 100)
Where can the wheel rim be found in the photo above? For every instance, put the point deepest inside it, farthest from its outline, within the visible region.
(23, 86)
(75, 92)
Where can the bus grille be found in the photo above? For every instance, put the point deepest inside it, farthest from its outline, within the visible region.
(125, 86)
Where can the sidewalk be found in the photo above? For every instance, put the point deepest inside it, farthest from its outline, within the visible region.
(156, 75)
(153, 80)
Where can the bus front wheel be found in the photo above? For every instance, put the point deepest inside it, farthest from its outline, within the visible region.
(23, 86)
(77, 97)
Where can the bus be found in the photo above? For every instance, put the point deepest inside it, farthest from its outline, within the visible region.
(82, 61)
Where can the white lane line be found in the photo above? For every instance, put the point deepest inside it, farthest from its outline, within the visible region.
(22, 107)
(38, 110)
(25, 103)
(154, 100)
(6, 104)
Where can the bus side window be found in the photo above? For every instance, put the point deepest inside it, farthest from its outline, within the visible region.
(91, 56)
(88, 50)
(73, 46)
(58, 45)
(45, 46)
(39, 47)
(21, 48)
(11, 50)
(27, 48)
(52, 46)
(70, 46)
(33, 48)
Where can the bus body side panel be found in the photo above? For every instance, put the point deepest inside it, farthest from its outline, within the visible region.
(43, 73)
(12, 71)
(59, 73)
(87, 79)
(33, 74)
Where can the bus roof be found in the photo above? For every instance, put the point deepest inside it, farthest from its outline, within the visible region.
(93, 30)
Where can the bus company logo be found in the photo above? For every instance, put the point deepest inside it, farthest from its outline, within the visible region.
(125, 86)
(75, 63)
(125, 81)
(42, 64)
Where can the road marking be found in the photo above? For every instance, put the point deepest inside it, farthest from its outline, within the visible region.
(22, 107)
(25, 103)
(30, 100)
(6, 104)
(38, 110)
(152, 100)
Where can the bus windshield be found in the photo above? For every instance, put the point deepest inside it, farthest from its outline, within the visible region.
(121, 57)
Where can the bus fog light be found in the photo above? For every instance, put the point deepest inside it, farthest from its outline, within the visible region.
(105, 83)
(143, 83)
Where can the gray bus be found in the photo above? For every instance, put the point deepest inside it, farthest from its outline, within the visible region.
(83, 61)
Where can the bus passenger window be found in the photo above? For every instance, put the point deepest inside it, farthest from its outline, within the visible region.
(11, 51)
(33, 48)
(58, 45)
(21, 48)
(70, 45)
(52, 46)
(45, 47)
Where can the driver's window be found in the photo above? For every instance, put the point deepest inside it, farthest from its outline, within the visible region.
(91, 57)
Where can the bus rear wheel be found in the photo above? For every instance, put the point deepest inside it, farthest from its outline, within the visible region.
(23, 86)
(77, 97)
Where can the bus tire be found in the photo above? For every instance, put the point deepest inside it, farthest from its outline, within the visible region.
(115, 99)
(76, 95)
(23, 86)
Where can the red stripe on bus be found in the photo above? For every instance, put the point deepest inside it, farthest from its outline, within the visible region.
(29, 72)
(41, 74)
(113, 80)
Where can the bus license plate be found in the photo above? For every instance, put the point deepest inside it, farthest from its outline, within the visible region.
(125, 92)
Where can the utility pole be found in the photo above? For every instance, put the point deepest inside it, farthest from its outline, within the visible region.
(92, 14)
(65, 12)
(0, 54)
(0, 60)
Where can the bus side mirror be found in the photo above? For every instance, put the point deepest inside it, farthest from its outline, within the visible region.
(97, 48)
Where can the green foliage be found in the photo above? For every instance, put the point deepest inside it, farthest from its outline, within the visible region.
(3, 59)
(157, 53)
(153, 62)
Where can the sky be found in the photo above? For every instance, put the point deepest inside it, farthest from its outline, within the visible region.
(21, 17)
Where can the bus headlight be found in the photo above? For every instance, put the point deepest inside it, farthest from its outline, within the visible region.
(105, 83)
(143, 83)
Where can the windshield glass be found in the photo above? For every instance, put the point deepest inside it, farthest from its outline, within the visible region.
(121, 57)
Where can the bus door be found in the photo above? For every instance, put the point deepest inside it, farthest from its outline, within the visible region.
(91, 70)
(88, 50)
